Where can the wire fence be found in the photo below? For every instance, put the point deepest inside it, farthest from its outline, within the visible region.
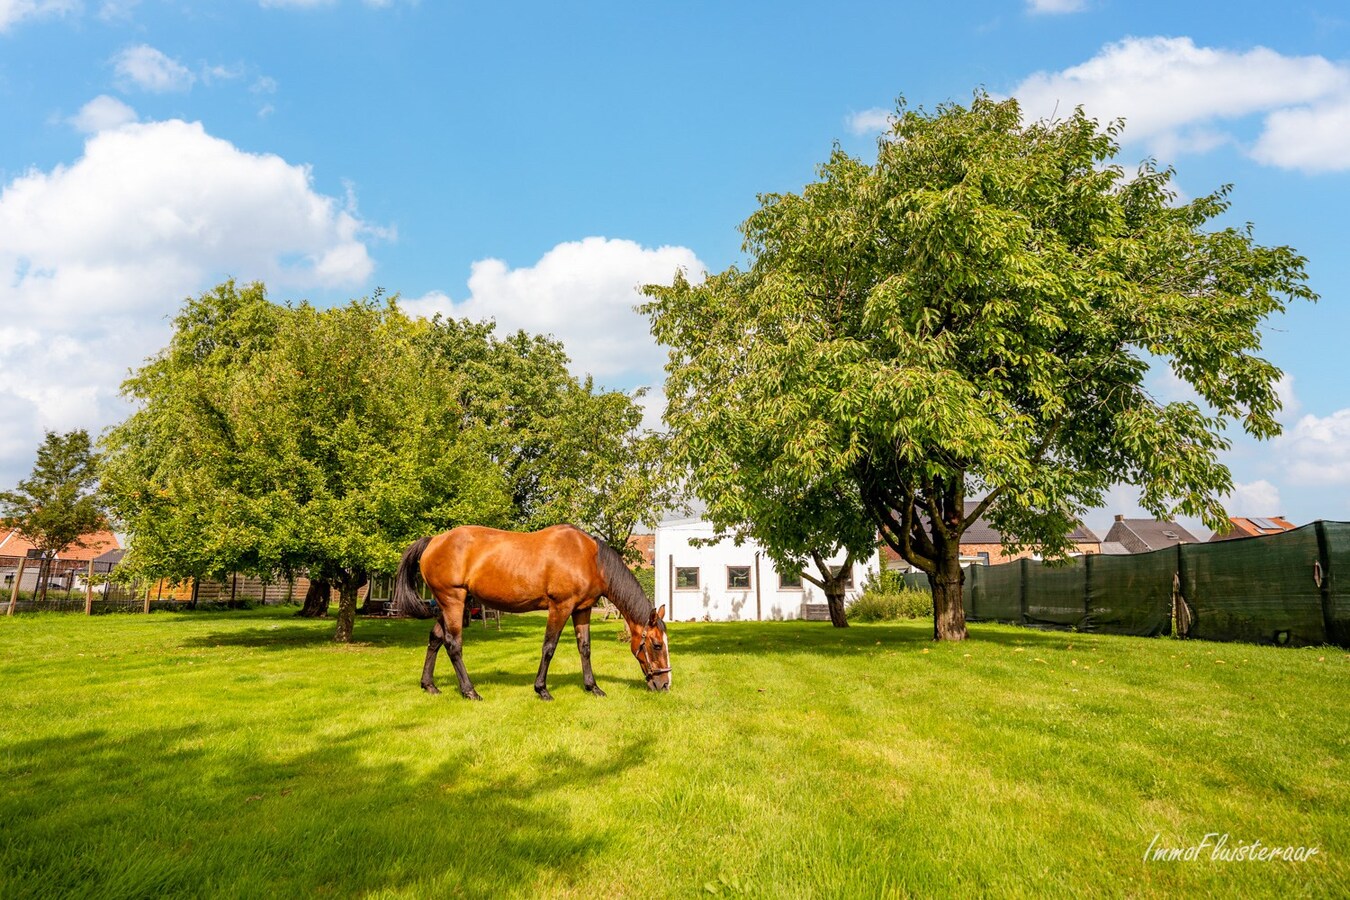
(1279, 589)
(56, 585)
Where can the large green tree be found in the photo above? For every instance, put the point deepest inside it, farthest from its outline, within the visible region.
(284, 439)
(59, 503)
(965, 327)
(570, 452)
(281, 439)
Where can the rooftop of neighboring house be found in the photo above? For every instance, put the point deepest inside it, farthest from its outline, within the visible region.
(1143, 535)
(1244, 526)
(14, 544)
(982, 533)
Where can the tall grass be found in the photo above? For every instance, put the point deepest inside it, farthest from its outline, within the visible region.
(244, 754)
(885, 598)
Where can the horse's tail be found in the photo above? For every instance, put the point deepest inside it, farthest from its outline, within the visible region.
(408, 582)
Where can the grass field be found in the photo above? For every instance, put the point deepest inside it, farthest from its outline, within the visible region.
(243, 754)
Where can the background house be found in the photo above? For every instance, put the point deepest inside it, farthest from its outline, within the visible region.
(726, 582)
(64, 572)
(1146, 535)
(1242, 527)
(982, 545)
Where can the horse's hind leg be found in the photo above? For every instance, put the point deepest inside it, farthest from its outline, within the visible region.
(581, 623)
(451, 602)
(557, 617)
(434, 645)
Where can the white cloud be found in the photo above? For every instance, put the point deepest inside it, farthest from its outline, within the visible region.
(1055, 7)
(102, 114)
(117, 10)
(1310, 138)
(870, 121)
(14, 11)
(149, 69)
(1178, 97)
(1316, 451)
(99, 253)
(583, 293)
(1254, 498)
(1289, 402)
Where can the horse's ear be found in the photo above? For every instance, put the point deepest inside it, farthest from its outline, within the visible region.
(660, 613)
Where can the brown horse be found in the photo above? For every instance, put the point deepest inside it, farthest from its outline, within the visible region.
(561, 569)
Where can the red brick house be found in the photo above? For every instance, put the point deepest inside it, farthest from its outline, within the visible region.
(983, 545)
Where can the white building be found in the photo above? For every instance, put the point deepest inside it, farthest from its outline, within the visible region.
(726, 582)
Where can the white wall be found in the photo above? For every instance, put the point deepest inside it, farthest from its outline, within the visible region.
(763, 599)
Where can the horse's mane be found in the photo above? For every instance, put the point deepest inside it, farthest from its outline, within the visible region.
(622, 587)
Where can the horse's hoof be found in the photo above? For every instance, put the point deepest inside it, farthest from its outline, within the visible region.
(595, 691)
(471, 694)
(543, 693)
(431, 689)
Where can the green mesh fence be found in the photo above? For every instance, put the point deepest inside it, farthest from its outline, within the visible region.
(1131, 594)
(1262, 590)
(917, 581)
(1056, 595)
(1291, 588)
(996, 595)
(1336, 581)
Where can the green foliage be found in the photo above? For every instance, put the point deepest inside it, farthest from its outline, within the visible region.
(874, 605)
(646, 577)
(59, 502)
(973, 314)
(569, 452)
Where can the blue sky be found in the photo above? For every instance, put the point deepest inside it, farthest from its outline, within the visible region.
(533, 162)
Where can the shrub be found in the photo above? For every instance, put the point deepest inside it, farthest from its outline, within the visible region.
(879, 606)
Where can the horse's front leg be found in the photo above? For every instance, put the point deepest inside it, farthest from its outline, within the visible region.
(557, 616)
(581, 624)
(452, 618)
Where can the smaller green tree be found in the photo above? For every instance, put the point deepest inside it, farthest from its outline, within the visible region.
(58, 503)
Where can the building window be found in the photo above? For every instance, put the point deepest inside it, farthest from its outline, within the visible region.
(738, 578)
(848, 577)
(790, 581)
(984, 557)
(686, 578)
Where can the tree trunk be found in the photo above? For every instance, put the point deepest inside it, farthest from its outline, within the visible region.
(834, 598)
(346, 616)
(949, 616)
(44, 572)
(317, 598)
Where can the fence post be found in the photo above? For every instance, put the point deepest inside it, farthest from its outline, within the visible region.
(89, 590)
(1329, 625)
(18, 580)
(1022, 587)
(146, 610)
(1087, 592)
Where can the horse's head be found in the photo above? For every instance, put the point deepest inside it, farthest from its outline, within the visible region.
(652, 649)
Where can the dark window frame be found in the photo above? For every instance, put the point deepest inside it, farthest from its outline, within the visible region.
(683, 571)
(739, 587)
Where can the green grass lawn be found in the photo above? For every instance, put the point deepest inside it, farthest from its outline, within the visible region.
(243, 754)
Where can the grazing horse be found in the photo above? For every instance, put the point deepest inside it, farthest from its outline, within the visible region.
(561, 569)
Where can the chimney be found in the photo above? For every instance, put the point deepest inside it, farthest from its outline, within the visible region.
(1120, 517)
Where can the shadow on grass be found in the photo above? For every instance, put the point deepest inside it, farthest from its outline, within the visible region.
(180, 811)
(740, 638)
